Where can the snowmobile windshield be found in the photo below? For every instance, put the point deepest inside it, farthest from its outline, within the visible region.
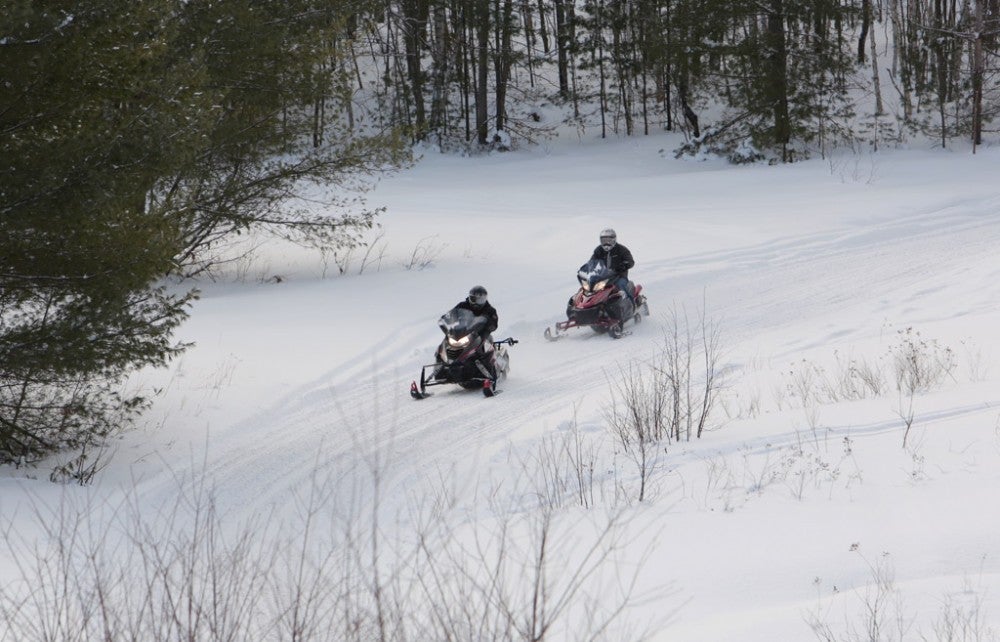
(594, 275)
(459, 323)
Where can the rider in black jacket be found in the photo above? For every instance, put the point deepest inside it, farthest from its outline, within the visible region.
(618, 259)
(480, 306)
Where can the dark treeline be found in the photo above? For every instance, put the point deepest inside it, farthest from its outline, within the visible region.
(776, 77)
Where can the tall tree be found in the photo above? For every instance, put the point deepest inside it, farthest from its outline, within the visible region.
(134, 134)
(564, 42)
(776, 75)
(80, 125)
(415, 16)
(503, 57)
(481, 27)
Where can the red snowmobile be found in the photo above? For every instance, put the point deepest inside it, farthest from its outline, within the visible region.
(464, 358)
(599, 304)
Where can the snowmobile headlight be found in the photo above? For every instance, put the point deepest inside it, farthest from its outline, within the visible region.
(600, 285)
(585, 285)
(460, 343)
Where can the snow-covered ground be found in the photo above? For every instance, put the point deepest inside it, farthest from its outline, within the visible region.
(798, 515)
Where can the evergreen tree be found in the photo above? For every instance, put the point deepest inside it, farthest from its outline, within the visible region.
(134, 134)
(79, 122)
(783, 75)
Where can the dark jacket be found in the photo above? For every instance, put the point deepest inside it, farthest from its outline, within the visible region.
(486, 310)
(618, 258)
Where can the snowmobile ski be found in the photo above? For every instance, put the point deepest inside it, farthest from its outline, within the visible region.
(417, 393)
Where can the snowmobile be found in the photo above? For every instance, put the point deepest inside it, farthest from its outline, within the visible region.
(600, 304)
(464, 358)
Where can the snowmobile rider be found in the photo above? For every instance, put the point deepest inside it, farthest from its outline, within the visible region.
(618, 259)
(479, 305)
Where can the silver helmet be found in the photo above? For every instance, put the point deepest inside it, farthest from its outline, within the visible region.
(608, 238)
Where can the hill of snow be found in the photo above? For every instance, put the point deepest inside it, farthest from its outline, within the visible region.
(798, 514)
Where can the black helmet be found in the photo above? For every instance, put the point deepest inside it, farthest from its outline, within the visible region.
(608, 238)
(477, 296)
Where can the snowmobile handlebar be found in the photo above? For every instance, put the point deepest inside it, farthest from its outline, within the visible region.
(508, 341)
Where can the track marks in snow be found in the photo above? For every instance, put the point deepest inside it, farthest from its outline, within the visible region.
(360, 411)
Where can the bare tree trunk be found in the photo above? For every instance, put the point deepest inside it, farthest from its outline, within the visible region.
(482, 26)
(866, 21)
(942, 71)
(624, 81)
(441, 55)
(901, 62)
(978, 72)
(777, 83)
(460, 25)
(319, 112)
(543, 30)
(599, 35)
(502, 60)
(689, 115)
(562, 46)
(528, 22)
(415, 13)
(394, 71)
(665, 73)
(877, 87)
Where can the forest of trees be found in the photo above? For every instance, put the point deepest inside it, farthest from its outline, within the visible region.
(782, 78)
(137, 135)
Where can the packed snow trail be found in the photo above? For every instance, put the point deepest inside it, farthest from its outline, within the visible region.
(361, 409)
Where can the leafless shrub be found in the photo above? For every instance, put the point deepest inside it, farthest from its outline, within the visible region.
(851, 379)
(904, 410)
(343, 256)
(916, 365)
(977, 363)
(919, 364)
(424, 253)
(804, 469)
(664, 400)
(856, 378)
(963, 620)
(800, 468)
(520, 580)
(105, 572)
(740, 406)
(803, 381)
(243, 263)
(334, 572)
(850, 170)
(566, 465)
(719, 478)
(83, 468)
(236, 259)
(779, 395)
(374, 253)
(692, 395)
(636, 417)
(882, 616)
(758, 472)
